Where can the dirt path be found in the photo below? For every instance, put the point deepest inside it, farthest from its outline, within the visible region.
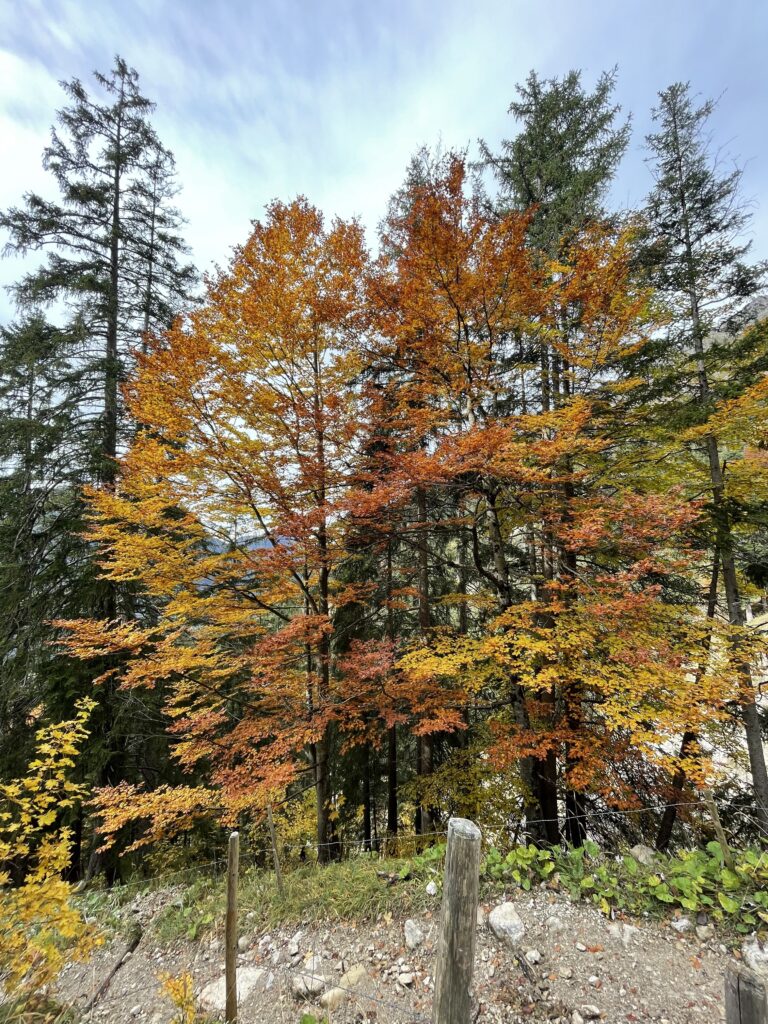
(578, 966)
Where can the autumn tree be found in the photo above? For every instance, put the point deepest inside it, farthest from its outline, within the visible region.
(560, 530)
(231, 514)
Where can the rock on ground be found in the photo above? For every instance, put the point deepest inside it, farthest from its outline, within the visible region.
(505, 923)
(414, 936)
(213, 997)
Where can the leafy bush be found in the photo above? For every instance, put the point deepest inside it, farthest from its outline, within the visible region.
(38, 918)
(691, 880)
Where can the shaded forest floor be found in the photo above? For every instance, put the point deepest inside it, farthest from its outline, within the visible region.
(572, 964)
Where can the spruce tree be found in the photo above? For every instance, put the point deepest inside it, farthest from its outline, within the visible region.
(698, 261)
(115, 268)
(564, 156)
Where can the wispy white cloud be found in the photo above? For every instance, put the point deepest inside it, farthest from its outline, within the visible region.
(331, 98)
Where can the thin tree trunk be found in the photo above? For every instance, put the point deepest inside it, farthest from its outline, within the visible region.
(424, 761)
(392, 731)
(669, 817)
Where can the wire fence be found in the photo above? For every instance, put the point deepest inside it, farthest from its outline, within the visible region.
(403, 845)
(376, 994)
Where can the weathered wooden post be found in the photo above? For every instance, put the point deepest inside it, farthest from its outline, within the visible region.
(745, 997)
(230, 931)
(275, 856)
(458, 924)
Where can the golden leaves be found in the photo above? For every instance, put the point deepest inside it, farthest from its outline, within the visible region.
(38, 922)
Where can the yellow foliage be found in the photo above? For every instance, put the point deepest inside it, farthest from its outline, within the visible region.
(37, 918)
(181, 991)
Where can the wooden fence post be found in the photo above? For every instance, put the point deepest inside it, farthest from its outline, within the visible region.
(275, 856)
(745, 996)
(230, 936)
(458, 924)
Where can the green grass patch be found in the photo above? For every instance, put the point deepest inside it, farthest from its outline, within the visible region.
(350, 890)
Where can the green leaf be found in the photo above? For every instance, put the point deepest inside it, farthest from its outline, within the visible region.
(728, 903)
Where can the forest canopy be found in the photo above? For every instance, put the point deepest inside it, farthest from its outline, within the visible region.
(472, 520)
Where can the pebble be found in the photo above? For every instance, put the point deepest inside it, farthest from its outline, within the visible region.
(505, 923)
(681, 924)
(431, 889)
(533, 956)
(414, 936)
(405, 979)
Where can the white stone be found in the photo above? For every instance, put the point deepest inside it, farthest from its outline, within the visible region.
(307, 985)
(135, 1011)
(705, 932)
(431, 889)
(533, 956)
(555, 924)
(353, 977)
(481, 917)
(755, 955)
(242, 944)
(504, 921)
(414, 936)
(333, 998)
(213, 997)
(643, 854)
(681, 925)
(576, 1018)
(625, 932)
(590, 1012)
(405, 979)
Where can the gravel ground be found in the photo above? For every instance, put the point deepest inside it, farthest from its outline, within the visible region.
(570, 965)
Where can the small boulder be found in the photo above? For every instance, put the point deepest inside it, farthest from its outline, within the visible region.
(213, 997)
(311, 981)
(414, 936)
(505, 923)
(354, 976)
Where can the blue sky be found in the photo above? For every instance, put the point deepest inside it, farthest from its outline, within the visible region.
(329, 98)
